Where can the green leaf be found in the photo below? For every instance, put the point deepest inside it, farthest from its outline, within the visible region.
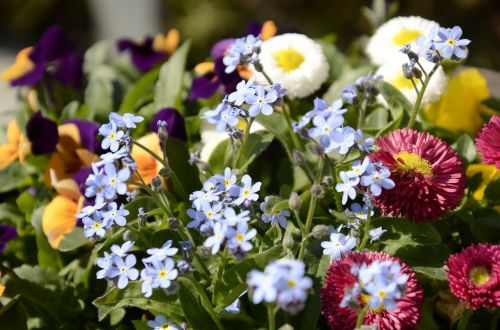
(73, 240)
(276, 124)
(140, 325)
(233, 281)
(377, 119)
(13, 177)
(257, 142)
(131, 296)
(10, 213)
(26, 202)
(271, 203)
(138, 90)
(394, 97)
(13, 316)
(169, 85)
(492, 103)
(237, 321)
(466, 148)
(400, 118)
(336, 59)
(196, 306)
(219, 158)
(432, 273)
(96, 55)
(492, 191)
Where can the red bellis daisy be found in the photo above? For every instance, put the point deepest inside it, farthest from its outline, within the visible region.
(488, 142)
(474, 275)
(339, 277)
(428, 174)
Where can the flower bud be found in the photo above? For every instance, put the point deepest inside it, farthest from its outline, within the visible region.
(172, 289)
(288, 241)
(162, 130)
(166, 172)
(327, 181)
(299, 157)
(407, 70)
(142, 217)
(319, 231)
(156, 184)
(316, 149)
(417, 73)
(173, 223)
(203, 252)
(294, 202)
(317, 191)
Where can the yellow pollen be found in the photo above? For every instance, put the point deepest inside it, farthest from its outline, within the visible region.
(112, 136)
(96, 225)
(123, 269)
(479, 276)
(289, 59)
(292, 283)
(240, 237)
(406, 36)
(210, 214)
(165, 326)
(162, 273)
(246, 192)
(112, 181)
(450, 42)
(410, 162)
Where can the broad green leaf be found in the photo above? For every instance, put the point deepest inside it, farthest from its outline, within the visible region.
(73, 240)
(138, 90)
(432, 273)
(237, 321)
(400, 118)
(13, 177)
(96, 55)
(492, 191)
(47, 256)
(311, 312)
(131, 296)
(402, 233)
(219, 158)
(169, 85)
(466, 148)
(140, 325)
(276, 124)
(10, 214)
(13, 316)
(272, 237)
(394, 97)
(377, 119)
(257, 142)
(233, 281)
(196, 306)
(336, 59)
(492, 103)
(427, 321)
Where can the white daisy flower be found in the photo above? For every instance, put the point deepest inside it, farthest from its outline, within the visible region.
(392, 73)
(394, 34)
(210, 138)
(295, 61)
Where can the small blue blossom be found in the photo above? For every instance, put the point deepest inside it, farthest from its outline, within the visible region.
(115, 181)
(349, 95)
(229, 179)
(147, 283)
(427, 43)
(360, 212)
(376, 233)
(212, 211)
(112, 136)
(241, 237)
(198, 217)
(106, 264)
(242, 51)
(365, 145)
(124, 269)
(228, 118)
(117, 214)
(248, 192)
(324, 128)
(160, 254)
(347, 187)
(341, 140)
(89, 210)
(261, 101)
(221, 231)
(162, 323)
(358, 168)
(280, 218)
(336, 108)
(338, 245)
(243, 90)
(122, 251)
(377, 178)
(128, 120)
(450, 45)
(231, 218)
(96, 226)
(203, 198)
(163, 273)
(111, 157)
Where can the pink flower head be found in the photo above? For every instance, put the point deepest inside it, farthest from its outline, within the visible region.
(428, 174)
(339, 278)
(488, 142)
(474, 275)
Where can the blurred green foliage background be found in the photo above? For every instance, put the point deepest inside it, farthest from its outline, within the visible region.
(206, 21)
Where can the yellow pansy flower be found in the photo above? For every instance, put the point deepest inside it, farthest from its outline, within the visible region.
(17, 146)
(21, 66)
(488, 172)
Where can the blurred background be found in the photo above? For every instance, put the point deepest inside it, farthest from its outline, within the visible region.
(22, 22)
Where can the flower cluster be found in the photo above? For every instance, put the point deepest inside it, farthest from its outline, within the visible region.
(215, 212)
(283, 282)
(327, 120)
(338, 245)
(242, 51)
(443, 43)
(119, 266)
(363, 89)
(248, 100)
(280, 218)
(108, 179)
(373, 176)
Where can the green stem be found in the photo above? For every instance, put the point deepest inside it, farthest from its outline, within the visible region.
(361, 317)
(186, 236)
(312, 208)
(155, 156)
(236, 160)
(418, 102)
(220, 271)
(299, 221)
(464, 320)
(271, 316)
(362, 114)
(366, 234)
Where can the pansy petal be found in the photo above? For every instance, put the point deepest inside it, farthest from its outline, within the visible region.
(59, 219)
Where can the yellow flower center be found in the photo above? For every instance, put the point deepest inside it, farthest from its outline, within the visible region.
(410, 162)
(112, 136)
(123, 269)
(112, 181)
(406, 36)
(289, 59)
(227, 182)
(400, 82)
(96, 225)
(450, 42)
(165, 326)
(210, 214)
(246, 192)
(292, 283)
(240, 237)
(162, 273)
(479, 276)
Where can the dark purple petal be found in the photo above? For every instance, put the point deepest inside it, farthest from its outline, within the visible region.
(42, 133)
(220, 48)
(175, 123)
(143, 56)
(254, 28)
(7, 233)
(68, 70)
(204, 87)
(80, 177)
(228, 80)
(88, 132)
(52, 46)
(32, 77)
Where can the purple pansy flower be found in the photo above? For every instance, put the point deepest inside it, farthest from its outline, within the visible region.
(143, 56)
(175, 123)
(42, 133)
(7, 233)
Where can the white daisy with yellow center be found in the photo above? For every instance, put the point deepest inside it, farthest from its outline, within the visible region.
(295, 61)
(392, 73)
(394, 34)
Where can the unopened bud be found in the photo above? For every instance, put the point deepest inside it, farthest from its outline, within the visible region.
(294, 202)
(317, 191)
(166, 172)
(316, 149)
(203, 252)
(142, 217)
(162, 130)
(299, 157)
(173, 223)
(156, 184)
(319, 231)
(172, 289)
(296, 233)
(288, 241)
(258, 66)
(417, 73)
(407, 70)
(327, 181)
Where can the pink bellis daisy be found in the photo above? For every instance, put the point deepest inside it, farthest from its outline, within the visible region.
(474, 275)
(428, 174)
(488, 142)
(340, 281)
